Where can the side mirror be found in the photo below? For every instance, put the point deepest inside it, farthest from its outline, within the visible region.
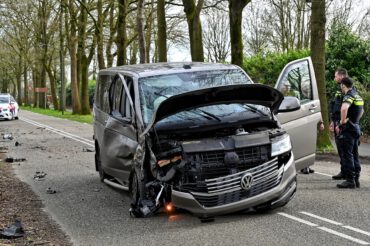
(289, 104)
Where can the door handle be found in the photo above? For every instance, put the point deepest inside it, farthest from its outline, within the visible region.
(312, 108)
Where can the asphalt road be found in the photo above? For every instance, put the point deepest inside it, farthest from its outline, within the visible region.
(92, 213)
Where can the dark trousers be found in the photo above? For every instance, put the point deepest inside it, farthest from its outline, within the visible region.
(348, 149)
(337, 143)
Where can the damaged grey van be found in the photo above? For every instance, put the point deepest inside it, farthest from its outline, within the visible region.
(203, 137)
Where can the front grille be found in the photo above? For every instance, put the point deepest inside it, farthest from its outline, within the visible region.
(227, 189)
(211, 164)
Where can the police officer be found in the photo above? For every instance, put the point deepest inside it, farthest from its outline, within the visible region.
(348, 132)
(335, 106)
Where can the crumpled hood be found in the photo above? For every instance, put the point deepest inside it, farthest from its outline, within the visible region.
(245, 93)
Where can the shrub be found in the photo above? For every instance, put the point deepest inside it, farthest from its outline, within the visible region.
(266, 68)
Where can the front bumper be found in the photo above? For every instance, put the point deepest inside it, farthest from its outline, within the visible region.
(275, 197)
(5, 115)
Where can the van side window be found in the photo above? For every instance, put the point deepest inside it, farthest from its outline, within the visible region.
(118, 99)
(296, 82)
(101, 97)
(118, 87)
(127, 111)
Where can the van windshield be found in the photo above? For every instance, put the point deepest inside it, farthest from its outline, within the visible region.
(155, 89)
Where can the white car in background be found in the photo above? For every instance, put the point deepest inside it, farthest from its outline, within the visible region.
(9, 108)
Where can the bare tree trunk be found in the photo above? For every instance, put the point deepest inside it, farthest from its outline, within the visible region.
(72, 47)
(52, 86)
(192, 12)
(235, 14)
(19, 79)
(35, 79)
(134, 51)
(99, 35)
(44, 43)
(140, 30)
(112, 30)
(121, 33)
(83, 62)
(318, 20)
(25, 82)
(149, 32)
(162, 31)
(85, 106)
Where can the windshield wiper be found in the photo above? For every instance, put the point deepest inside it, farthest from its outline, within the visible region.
(203, 113)
(254, 109)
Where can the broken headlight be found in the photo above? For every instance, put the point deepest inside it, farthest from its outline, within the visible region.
(280, 145)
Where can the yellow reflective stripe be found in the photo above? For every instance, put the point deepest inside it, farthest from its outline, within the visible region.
(349, 99)
(358, 100)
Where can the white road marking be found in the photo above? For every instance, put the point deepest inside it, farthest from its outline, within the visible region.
(339, 234)
(321, 218)
(60, 132)
(324, 174)
(357, 230)
(323, 228)
(298, 219)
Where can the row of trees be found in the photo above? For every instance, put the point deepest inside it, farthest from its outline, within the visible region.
(38, 36)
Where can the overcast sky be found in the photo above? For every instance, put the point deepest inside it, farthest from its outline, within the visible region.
(360, 7)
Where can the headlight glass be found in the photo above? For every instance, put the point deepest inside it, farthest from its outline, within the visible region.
(281, 145)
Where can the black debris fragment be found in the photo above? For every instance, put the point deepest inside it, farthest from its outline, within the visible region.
(8, 136)
(50, 191)
(17, 144)
(13, 231)
(39, 175)
(11, 159)
(87, 150)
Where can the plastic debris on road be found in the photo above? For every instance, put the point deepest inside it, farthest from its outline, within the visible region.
(13, 231)
(11, 159)
(8, 136)
(39, 175)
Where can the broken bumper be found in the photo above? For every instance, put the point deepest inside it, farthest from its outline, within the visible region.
(275, 197)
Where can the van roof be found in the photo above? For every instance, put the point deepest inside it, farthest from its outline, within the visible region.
(152, 69)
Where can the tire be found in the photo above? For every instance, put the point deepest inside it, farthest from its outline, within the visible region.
(98, 166)
(136, 189)
(11, 116)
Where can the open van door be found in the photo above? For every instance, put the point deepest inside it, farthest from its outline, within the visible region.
(298, 79)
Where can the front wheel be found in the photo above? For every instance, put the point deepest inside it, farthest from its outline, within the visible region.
(11, 116)
(135, 189)
(102, 174)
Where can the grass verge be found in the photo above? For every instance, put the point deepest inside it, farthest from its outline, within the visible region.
(67, 115)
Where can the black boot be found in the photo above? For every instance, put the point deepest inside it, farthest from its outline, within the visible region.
(349, 183)
(357, 180)
(339, 176)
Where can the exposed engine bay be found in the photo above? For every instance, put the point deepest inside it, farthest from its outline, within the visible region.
(185, 160)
